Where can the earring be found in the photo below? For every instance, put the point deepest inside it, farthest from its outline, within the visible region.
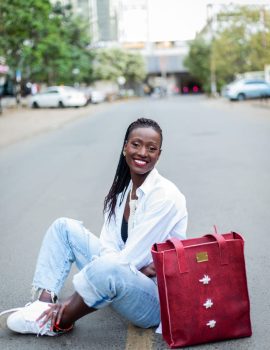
(124, 153)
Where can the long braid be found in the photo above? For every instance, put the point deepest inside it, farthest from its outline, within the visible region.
(122, 175)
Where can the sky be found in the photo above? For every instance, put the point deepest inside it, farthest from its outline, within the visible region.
(181, 19)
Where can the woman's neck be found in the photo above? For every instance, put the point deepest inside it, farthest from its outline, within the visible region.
(137, 181)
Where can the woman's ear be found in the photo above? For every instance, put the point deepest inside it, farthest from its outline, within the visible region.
(124, 149)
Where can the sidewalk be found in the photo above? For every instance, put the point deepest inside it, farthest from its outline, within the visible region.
(20, 123)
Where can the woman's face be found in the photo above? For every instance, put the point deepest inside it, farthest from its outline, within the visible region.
(142, 150)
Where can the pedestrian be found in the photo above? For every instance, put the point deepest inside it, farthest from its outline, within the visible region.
(34, 89)
(141, 208)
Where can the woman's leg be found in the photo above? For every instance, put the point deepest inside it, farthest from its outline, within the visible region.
(65, 242)
(105, 281)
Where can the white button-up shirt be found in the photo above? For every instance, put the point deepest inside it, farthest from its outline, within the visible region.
(160, 214)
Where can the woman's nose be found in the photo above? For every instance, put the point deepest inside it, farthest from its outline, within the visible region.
(143, 151)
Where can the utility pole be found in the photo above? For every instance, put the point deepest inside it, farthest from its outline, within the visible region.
(262, 20)
(211, 17)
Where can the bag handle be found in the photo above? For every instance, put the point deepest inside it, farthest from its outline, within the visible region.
(224, 259)
(181, 256)
(180, 252)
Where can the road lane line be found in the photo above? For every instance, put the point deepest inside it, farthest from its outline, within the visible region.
(138, 338)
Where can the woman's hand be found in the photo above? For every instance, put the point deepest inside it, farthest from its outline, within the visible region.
(53, 313)
(149, 270)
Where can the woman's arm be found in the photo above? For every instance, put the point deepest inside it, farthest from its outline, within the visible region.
(157, 223)
(149, 270)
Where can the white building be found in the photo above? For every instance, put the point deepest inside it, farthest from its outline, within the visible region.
(136, 25)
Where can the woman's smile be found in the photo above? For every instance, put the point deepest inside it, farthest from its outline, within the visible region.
(140, 163)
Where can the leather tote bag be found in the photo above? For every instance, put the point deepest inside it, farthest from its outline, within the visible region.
(202, 289)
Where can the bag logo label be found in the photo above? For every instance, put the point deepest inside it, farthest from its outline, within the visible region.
(201, 257)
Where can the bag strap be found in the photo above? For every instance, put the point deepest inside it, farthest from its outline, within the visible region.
(223, 250)
(180, 252)
(181, 256)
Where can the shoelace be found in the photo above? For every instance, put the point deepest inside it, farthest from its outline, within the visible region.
(36, 327)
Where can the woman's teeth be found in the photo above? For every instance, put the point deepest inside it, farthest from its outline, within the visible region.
(139, 162)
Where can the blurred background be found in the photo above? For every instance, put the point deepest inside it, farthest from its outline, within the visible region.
(121, 48)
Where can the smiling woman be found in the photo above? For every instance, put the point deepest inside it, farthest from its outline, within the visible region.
(142, 151)
(141, 208)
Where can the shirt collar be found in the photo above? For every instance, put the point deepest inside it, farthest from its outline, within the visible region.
(149, 181)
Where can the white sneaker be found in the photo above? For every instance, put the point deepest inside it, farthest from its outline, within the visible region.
(4, 315)
(24, 320)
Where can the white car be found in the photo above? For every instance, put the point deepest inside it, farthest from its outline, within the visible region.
(247, 88)
(58, 96)
(97, 96)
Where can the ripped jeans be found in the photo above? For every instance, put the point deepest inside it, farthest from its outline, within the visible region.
(101, 280)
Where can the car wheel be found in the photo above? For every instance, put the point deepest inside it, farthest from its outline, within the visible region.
(60, 104)
(35, 105)
(241, 97)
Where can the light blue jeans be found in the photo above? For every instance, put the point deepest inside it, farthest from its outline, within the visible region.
(101, 281)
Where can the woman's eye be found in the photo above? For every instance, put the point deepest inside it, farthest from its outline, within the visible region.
(135, 144)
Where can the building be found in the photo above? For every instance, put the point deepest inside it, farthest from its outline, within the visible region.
(163, 53)
(101, 16)
(128, 24)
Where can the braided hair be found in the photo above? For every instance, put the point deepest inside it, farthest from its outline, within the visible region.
(122, 176)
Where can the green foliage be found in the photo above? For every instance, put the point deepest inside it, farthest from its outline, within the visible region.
(198, 61)
(135, 68)
(46, 43)
(109, 64)
(240, 42)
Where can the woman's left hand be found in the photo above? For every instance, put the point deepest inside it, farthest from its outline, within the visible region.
(149, 270)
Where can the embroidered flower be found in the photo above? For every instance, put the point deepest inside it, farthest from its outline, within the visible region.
(208, 304)
(211, 324)
(205, 280)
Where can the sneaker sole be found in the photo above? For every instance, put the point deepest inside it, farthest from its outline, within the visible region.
(4, 316)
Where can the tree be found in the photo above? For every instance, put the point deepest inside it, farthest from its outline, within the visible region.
(135, 69)
(230, 54)
(198, 61)
(240, 42)
(46, 43)
(110, 64)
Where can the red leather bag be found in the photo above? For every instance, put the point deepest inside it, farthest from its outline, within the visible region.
(202, 289)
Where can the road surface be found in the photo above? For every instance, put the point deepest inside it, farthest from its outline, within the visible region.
(218, 155)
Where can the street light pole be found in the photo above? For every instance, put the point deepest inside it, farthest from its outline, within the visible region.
(211, 23)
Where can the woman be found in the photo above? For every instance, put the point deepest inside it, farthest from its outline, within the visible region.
(140, 209)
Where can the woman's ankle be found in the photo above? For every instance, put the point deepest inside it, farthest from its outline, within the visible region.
(63, 326)
(46, 296)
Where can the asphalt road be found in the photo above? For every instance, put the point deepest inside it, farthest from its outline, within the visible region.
(216, 152)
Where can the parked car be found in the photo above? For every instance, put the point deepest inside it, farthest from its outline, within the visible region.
(97, 96)
(246, 88)
(58, 96)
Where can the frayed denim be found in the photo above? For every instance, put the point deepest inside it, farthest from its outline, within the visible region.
(101, 280)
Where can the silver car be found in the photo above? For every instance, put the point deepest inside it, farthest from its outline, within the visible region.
(246, 88)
